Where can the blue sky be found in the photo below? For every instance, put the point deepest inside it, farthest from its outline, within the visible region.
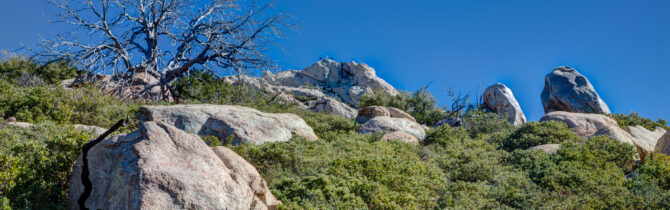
(623, 47)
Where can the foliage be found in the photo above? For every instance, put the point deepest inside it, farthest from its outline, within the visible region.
(203, 87)
(420, 104)
(634, 119)
(652, 181)
(36, 162)
(23, 72)
(47, 103)
(480, 122)
(538, 133)
(347, 171)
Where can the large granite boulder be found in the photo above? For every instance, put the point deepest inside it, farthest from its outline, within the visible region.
(243, 124)
(369, 112)
(385, 124)
(247, 175)
(587, 125)
(565, 89)
(645, 140)
(500, 100)
(162, 167)
(663, 144)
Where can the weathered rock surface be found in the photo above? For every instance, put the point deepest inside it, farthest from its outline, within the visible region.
(244, 124)
(565, 89)
(369, 112)
(331, 106)
(17, 124)
(247, 175)
(385, 124)
(587, 125)
(663, 144)
(548, 148)
(400, 136)
(645, 140)
(345, 82)
(500, 100)
(162, 167)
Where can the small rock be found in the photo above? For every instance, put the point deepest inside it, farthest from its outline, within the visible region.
(548, 148)
(11, 119)
(400, 136)
(387, 124)
(370, 112)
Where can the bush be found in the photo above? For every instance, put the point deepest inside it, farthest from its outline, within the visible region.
(538, 133)
(36, 163)
(634, 119)
(652, 182)
(480, 122)
(46, 103)
(202, 87)
(347, 171)
(23, 72)
(421, 104)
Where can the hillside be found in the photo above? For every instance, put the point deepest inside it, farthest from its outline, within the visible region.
(319, 138)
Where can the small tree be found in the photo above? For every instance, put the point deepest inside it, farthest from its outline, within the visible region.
(153, 42)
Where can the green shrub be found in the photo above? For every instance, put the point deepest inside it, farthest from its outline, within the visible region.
(36, 163)
(202, 87)
(538, 133)
(480, 122)
(634, 119)
(23, 72)
(46, 103)
(421, 104)
(652, 182)
(348, 171)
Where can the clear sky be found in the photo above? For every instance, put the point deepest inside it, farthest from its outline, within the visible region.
(622, 46)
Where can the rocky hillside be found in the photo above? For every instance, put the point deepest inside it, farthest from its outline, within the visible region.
(330, 136)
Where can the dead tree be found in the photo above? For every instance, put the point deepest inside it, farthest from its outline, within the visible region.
(153, 42)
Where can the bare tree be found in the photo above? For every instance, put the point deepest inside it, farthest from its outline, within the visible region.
(153, 42)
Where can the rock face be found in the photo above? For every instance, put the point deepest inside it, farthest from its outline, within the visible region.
(645, 140)
(244, 124)
(499, 99)
(385, 124)
(451, 121)
(663, 144)
(162, 167)
(400, 136)
(341, 82)
(565, 89)
(370, 112)
(548, 148)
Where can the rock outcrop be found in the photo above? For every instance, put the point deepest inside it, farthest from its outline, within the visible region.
(587, 125)
(645, 140)
(369, 112)
(548, 148)
(385, 124)
(243, 124)
(565, 89)
(91, 129)
(451, 121)
(338, 82)
(400, 136)
(162, 167)
(500, 100)
(663, 144)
